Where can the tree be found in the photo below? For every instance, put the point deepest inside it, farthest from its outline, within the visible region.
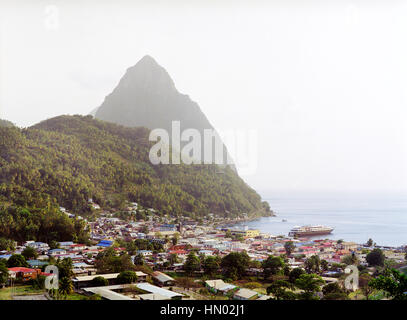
(65, 286)
(54, 244)
(312, 264)
(375, 258)
(255, 264)
(201, 258)
(350, 259)
(192, 263)
(369, 242)
(99, 282)
(289, 247)
(286, 270)
(39, 282)
(272, 266)
(130, 247)
(364, 286)
(211, 265)
(235, 264)
(3, 274)
(280, 290)
(394, 284)
(174, 239)
(145, 229)
(108, 262)
(17, 260)
(173, 259)
(324, 265)
(7, 244)
(332, 291)
(127, 277)
(29, 253)
(139, 260)
(65, 268)
(310, 284)
(140, 215)
(295, 274)
(185, 282)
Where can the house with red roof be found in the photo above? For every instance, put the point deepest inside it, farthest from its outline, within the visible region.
(24, 274)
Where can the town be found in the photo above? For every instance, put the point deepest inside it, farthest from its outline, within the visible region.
(138, 254)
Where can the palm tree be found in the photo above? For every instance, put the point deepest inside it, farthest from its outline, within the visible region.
(65, 286)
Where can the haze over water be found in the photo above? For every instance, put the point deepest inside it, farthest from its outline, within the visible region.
(354, 218)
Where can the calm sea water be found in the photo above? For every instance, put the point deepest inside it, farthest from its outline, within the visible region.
(354, 218)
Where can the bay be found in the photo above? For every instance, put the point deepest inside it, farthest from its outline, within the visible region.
(354, 218)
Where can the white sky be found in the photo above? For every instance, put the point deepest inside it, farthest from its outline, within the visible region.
(324, 82)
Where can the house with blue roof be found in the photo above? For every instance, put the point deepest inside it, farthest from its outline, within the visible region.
(37, 263)
(55, 252)
(66, 244)
(38, 245)
(105, 243)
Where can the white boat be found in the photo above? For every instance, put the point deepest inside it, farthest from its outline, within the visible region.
(310, 231)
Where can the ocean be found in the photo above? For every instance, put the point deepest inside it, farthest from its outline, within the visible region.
(354, 218)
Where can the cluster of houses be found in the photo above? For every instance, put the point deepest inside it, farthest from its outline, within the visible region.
(206, 239)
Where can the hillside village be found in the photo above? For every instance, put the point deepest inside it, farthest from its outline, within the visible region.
(137, 254)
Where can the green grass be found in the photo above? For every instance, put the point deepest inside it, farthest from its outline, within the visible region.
(377, 296)
(5, 293)
(76, 296)
(260, 290)
(357, 295)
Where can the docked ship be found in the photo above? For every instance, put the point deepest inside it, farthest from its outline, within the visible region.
(310, 231)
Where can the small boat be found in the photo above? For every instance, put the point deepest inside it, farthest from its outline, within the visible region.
(284, 220)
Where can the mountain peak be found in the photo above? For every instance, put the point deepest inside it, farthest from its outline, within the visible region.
(147, 97)
(147, 59)
(148, 75)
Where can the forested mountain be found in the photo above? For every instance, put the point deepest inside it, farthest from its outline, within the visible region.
(146, 96)
(66, 160)
(6, 123)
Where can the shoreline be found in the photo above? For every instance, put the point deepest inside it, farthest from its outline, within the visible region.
(243, 220)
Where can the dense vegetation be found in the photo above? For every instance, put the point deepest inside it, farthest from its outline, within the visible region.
(6, 123)
(66, 160)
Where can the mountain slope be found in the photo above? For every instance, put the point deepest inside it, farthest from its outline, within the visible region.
(147, 97)
(70, 159)
(6, 123)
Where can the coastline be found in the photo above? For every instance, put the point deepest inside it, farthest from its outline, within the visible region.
(252, 218)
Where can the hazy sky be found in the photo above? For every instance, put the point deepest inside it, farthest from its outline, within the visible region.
(323, 82)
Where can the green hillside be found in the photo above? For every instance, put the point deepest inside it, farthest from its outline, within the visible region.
(6, 123)
(66, 160)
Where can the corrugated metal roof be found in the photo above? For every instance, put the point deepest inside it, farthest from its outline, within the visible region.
(154, 289)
